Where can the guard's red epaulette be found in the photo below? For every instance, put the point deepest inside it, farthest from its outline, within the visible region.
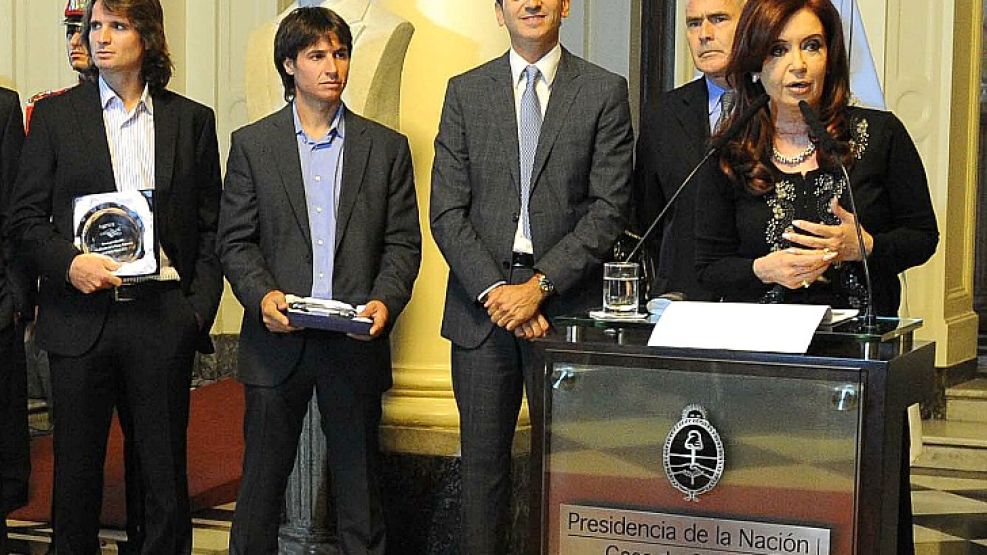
(34, 100)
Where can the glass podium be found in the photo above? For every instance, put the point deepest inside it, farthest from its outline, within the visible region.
(641, 450)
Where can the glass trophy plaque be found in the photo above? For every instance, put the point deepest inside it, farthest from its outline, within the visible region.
(120, 226)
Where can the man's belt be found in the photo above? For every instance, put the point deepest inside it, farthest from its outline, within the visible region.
(522, 260)
(138, 291)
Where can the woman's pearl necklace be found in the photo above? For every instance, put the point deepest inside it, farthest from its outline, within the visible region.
(793, 160)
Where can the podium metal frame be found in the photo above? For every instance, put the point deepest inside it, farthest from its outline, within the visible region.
(894, 369)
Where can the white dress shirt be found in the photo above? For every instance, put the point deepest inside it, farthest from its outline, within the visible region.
(548, 66)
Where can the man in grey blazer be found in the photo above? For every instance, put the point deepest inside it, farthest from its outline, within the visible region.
(530, 187)
(318, 202)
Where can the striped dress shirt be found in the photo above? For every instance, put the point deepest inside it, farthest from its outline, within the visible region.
(130, 136)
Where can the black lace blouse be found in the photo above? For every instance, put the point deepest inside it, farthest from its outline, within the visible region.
(734, 227)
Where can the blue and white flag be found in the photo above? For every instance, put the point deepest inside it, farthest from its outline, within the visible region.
(864, 84)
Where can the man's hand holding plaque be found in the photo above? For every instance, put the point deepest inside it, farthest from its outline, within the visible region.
(118, 226)
(92, 272)
(272, 309)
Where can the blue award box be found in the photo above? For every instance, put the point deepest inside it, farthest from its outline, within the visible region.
(326, 314)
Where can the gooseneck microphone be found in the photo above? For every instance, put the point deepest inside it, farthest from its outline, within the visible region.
(828, 143)
(714, 147)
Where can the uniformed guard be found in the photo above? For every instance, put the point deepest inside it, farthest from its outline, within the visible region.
(77, 54)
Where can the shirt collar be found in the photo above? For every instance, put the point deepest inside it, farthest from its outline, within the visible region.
(338, 124)
(108, 95)
(548, 65)
(715, 92)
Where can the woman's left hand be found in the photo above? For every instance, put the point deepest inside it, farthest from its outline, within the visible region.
(841, 238)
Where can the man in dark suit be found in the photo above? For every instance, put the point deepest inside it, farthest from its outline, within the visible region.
(15, 462)
(122, 132)
(530, 186)
(38, 370)
(318, 202)
(673, 138)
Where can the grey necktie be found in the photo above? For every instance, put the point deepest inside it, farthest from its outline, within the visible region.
(528, 130)
(727, 100)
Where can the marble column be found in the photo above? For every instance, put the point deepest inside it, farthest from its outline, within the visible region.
(309, 526)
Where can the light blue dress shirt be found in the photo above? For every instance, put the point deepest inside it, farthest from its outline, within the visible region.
(322, 167)
(715, 92)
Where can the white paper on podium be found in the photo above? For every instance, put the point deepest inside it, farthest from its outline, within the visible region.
(778, 328)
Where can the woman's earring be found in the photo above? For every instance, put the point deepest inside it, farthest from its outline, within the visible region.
(755, 77)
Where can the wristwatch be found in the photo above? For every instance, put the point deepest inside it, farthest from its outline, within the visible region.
(545, 284)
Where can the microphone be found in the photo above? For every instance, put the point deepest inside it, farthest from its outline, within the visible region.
(828, 143)
(825, 140)
(715, 145)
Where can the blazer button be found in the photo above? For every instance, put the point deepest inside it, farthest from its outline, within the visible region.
(515, 217)
(506, 265)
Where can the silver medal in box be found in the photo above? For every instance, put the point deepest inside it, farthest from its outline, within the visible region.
(120, 226)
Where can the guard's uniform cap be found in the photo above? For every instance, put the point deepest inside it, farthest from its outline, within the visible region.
(74, 10)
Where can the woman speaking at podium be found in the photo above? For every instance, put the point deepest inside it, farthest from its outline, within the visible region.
(776, 224)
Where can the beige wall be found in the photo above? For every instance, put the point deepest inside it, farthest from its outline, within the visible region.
(450, 38)
(931, 76)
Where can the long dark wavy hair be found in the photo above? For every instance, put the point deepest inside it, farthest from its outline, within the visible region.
(745, 159)
(148, 19)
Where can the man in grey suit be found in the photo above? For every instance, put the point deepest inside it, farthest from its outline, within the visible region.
(530, 186)
(318, 202)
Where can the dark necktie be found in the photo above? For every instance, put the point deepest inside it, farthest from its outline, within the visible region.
(727, 100)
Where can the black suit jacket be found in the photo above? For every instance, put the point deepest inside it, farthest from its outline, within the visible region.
(579, 193)
(67, 155)
(265, 243)
(673, 139)
(12, 285)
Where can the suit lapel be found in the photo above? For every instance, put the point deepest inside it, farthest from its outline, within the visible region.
(564, 90)
(92, 134)
(356, 152)
(283, 145)
(695, 116)
(502, 104)
(165, 138)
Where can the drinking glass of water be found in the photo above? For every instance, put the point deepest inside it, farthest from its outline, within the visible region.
(620, 282)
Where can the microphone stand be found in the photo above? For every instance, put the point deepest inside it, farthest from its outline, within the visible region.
(669, 204)
(869, 318)
(827, 142)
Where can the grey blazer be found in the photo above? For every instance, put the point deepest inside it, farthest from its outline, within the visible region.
(579, 196)
(264, 241)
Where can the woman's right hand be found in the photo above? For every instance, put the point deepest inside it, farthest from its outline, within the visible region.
(793, 267)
